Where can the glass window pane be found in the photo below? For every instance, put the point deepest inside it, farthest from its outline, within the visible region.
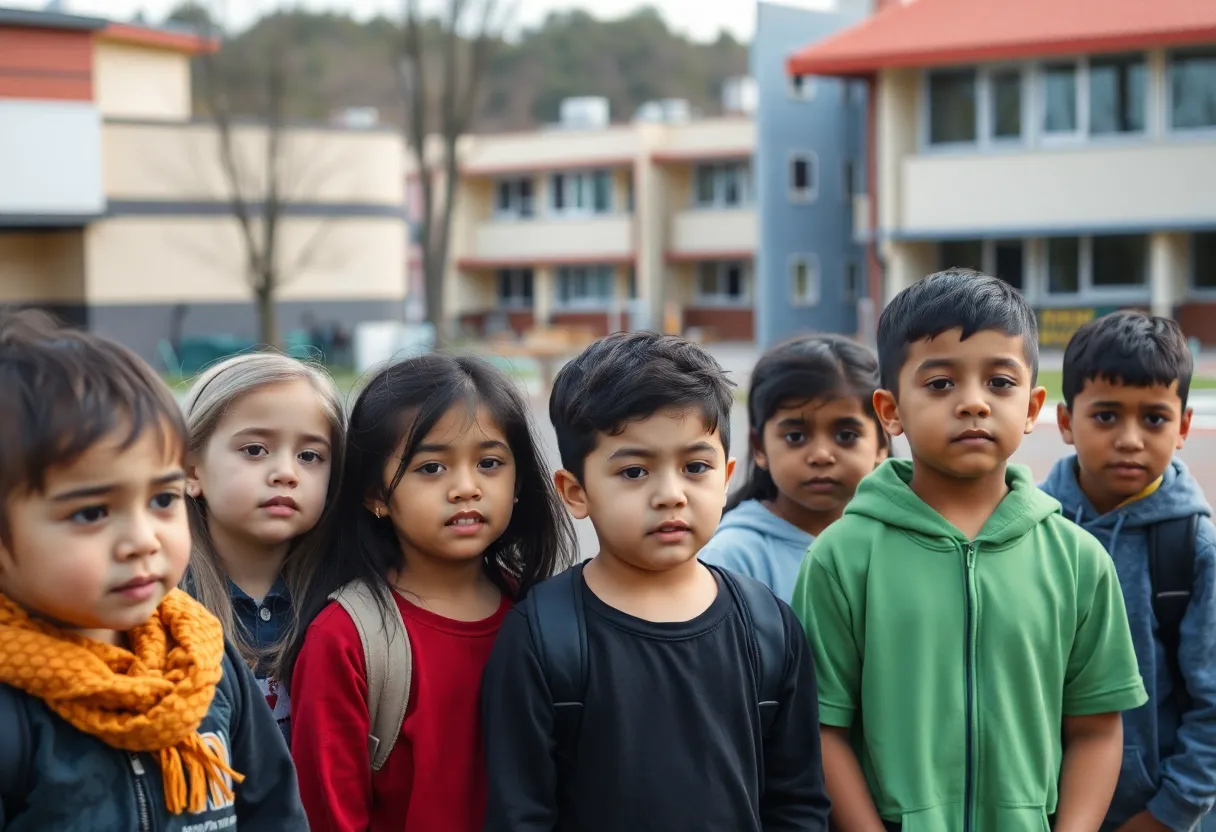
(1063, 265)
(525, 197)
(1116, 95)
(800, 279)
(1060, 98)
(801, 174)
(734, 280)
(1120, 260)
(1193, 89)
(730, 184)
(504, 196)
(603, 192)
(705, 185)
(557, 190)
(504, 284)
(1010, 263)
(526, 276)
(1007, 104)
(1203, 260)
(961, 254)
(707, 279)
(952, 106)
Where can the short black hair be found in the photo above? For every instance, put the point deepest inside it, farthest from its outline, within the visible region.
(630, 376)
(953, 299)
(64, 390)
(1129, 348)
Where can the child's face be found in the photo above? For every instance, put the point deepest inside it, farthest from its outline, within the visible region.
(964, 405)
(265, 471)
(97, 550)
(817, 452)
(1125, 436)
(458, 491)
(655, 491)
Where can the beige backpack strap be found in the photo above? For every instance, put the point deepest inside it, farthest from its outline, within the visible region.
(389, 661)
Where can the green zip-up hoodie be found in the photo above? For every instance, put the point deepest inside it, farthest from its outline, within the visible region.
(955, 661)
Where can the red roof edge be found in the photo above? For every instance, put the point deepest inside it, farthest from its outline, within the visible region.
(159, 38)
(807, 62)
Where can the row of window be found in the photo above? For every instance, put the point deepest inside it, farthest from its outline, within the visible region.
(1098, 96)
(1079, 265)
(570, 194)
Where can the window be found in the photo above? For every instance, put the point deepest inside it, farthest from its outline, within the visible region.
(1063, 265)
(514, 198)
(952, 106)
(1203, 260)
(804, 279)
(1193, 89)
(961, 254)
(723, 283)
(726, 185)
(589, 192)
(850, 186)
(1060, 103)
(515, 287)
(584, 285)
(852, 284)
(1117, 89)
(1006, 104)
(1120, 260)
(802, 87)
(804, 177)
(1009, 259)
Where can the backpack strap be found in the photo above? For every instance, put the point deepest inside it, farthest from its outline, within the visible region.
(558, 624)
(1171, 563)
(389, 661)
(762, 617)
(16, 754)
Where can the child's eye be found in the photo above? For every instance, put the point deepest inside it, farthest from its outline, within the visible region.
(310, 457)
(847, 437)
(1003, 383)
(633, 472)
(1156, 420)
(940, 384)
(254, 450)
(795, 437)
(89, 515)
(165, 500)
(430, 468)
(489, 464)
(695, 468)
(1105, 417)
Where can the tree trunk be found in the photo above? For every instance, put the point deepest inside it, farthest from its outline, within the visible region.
(268, 334)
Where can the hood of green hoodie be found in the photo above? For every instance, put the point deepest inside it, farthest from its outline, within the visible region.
(886, 497)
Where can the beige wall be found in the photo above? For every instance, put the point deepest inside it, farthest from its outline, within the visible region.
(516, 240)
(710, 136)
(550, 149)
(140, 82)
(201, 259)
(707, 232)
(182, 162)
(47, 267)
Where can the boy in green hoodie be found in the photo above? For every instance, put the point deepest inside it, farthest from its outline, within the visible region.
(972, 646)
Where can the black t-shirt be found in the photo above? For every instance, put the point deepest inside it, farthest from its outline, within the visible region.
(670, 736)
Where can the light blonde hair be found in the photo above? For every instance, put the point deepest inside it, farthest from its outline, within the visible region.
(213, 393)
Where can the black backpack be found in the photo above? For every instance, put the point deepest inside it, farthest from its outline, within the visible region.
(558, 623)
(1171, 565)
(16, 753)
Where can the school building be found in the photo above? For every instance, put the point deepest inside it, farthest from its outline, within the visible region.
(115, 211)
(1068, 146)
(593, 224)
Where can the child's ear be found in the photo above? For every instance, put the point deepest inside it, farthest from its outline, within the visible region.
(1038, 397)
(194, 487)
(1064, 421)
(375, 504)
(572, 493)
(1184, 428)
(759, 457)
(887, 411)
(730, 470)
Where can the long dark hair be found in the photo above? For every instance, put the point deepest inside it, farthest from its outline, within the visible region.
(801, 370)
(407, 399)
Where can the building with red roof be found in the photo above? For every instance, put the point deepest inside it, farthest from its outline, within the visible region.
(1068, 146)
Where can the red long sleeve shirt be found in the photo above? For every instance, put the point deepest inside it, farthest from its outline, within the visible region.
(434, 779)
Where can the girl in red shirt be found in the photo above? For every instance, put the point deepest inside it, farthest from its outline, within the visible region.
(446, 501)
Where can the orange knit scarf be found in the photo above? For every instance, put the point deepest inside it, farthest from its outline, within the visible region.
(150, 698)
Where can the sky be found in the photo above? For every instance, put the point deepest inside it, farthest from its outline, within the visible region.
(700, 19)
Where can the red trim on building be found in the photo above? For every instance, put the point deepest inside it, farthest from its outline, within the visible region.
(158, 38)
(475, 263)
(942, 32)
(46, 64)
(660, 157)
(707, 256)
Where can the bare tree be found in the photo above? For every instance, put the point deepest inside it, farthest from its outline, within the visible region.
(442, 63)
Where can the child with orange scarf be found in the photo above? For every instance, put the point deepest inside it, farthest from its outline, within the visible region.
(121, 707)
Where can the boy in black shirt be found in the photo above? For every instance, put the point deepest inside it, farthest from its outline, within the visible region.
(662, 694)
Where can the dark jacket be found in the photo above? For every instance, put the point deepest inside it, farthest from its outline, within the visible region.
(73, 781)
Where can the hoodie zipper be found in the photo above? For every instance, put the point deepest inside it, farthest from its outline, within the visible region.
(969, 665)
(141, 794)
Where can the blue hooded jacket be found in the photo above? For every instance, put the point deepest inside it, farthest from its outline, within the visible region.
(1169, 758)
(753, 541)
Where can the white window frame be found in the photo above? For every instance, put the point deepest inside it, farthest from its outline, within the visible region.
(515, 210)
(987, 262)
(563, 272)
(517, 277)
(807, 195)
(1082, 134)
(569, 180)
(743, 169)
(1087, 293)
(811, 261)
(799, 87)
(1167, 120)
(720, 270)
(985, 139)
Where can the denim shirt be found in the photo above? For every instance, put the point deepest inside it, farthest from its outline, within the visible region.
(262, 625)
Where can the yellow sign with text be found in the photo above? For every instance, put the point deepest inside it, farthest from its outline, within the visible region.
(1057, 326)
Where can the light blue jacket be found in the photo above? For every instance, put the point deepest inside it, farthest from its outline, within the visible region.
(1169, 761)
(755, 542)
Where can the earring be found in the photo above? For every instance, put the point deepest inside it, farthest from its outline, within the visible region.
(377, 510)
(517, 499)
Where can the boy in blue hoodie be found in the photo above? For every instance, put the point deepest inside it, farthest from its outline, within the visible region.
(1126, 378)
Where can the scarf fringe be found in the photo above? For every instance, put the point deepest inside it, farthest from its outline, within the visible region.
(193, 773)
